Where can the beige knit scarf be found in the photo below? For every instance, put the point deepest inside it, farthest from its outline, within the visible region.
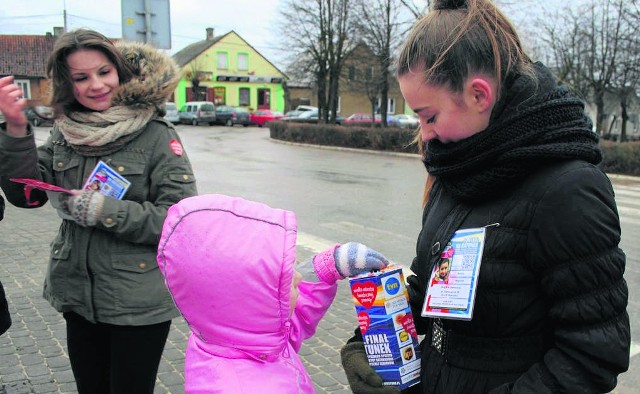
(86, 132)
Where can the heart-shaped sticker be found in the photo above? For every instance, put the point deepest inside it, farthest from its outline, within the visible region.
(365, 293)
(406, 321)
(363, 321)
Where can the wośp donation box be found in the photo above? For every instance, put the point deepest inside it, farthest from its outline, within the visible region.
(387, 327)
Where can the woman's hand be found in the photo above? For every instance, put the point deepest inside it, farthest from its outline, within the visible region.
(11, 105)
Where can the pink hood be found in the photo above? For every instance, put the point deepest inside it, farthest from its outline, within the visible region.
(228, 264)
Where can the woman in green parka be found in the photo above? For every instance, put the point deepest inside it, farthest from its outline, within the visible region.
(103, 276)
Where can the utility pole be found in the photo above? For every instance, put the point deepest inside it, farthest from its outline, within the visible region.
(64, 14)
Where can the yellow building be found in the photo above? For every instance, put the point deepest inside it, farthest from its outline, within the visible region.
(227, 70)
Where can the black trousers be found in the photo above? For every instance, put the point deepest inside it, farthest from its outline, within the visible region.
(110, 359)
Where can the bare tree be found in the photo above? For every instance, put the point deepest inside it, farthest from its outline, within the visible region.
(625, 82)
(315, 33)
(588, 51)
(382, 25)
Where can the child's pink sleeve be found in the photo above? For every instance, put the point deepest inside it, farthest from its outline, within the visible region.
(313, 302)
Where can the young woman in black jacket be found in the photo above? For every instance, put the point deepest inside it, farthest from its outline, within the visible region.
(510, 152)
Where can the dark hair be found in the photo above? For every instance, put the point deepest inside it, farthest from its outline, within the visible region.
(62, 98)
(460, 37)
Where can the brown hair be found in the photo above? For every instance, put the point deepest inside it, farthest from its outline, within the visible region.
(458, 38)
(62, 98)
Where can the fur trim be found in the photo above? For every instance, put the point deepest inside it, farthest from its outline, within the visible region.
(156, 76)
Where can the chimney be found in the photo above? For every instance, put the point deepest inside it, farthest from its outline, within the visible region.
(209, 33)
(57, 31)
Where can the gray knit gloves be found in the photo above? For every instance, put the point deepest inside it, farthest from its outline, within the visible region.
(85, 208)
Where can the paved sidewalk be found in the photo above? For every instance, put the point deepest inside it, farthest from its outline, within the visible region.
(33, 354)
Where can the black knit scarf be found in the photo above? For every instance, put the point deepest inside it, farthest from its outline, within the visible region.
(532, 125)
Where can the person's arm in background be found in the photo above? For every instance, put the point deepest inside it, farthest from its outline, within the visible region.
(5, 317)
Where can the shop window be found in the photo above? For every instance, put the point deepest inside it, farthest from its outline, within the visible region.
(244, 97)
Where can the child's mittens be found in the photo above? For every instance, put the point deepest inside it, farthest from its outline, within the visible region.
(354, 258)
(351, 259)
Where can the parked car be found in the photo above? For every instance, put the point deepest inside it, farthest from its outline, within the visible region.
(310, 117)
(228, 115)
(392, 121)
(262, 117)
(172, 114)
(407, 121)
(361, 118)
(293, 114)
(302, 117)
(40, 115)
(197, 112)
(303, 108)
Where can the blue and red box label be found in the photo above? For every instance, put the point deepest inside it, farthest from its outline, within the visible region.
(387, 327)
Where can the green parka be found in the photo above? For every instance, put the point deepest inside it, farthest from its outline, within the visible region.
(107, 273)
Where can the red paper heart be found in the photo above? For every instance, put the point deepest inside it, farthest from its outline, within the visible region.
(365, 293)
(363, 321)
(407, 324)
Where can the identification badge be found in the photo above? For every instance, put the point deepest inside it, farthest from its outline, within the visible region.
(107, 181)
(452, 286)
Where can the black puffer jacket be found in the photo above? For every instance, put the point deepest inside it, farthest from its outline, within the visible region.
(550, 311)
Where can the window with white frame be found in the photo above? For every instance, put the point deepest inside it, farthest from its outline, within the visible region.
(391, 105)
(25, 85)
(243, 61)
(223, 62)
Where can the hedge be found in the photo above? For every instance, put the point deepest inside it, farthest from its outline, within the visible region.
(385, 139)
(618, 158)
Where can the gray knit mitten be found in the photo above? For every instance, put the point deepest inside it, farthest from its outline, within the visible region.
(354, 258)
(85, 208)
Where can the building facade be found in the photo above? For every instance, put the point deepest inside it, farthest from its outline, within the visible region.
(228, 70)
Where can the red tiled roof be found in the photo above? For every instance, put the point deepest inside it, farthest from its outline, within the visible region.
(25, 55)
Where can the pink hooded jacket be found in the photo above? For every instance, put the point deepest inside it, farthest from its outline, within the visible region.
(229, 264)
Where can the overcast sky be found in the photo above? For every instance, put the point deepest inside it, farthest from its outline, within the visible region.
(253, 20)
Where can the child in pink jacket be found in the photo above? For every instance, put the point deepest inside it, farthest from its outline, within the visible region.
(229, 265)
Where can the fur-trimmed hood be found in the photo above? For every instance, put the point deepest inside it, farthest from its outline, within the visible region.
(156, 76)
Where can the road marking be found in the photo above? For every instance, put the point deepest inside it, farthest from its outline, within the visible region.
(316, 244)
(628, 211)
(635, 349)
(353, 227)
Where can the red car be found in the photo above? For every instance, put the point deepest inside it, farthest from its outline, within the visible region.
(262, 117)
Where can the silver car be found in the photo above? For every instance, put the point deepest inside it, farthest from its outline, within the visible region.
(197, 112)
(172, 113)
